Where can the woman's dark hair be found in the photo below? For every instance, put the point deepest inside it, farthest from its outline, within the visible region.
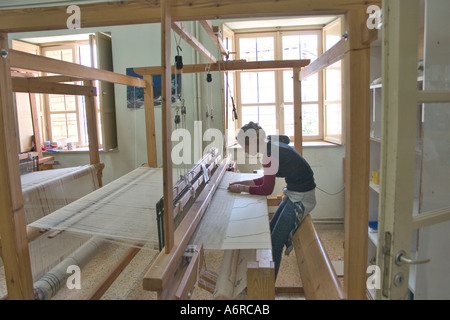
(251, 133)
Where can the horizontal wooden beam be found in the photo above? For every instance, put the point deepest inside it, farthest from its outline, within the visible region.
(432, 217)
(28, 61)
(332, 55)
(32, 86)
(433, 96)
(143, 11)
(229, 66)
(207, 25)
(193, 41)
(58, 79)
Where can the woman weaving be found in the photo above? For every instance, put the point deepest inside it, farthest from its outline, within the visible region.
(279, 160)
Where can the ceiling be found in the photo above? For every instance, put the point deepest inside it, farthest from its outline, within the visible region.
(281, 22)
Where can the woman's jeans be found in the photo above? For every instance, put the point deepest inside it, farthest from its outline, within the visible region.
(282, 226)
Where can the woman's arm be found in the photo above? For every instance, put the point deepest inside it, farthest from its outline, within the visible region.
(265, 187)
(245, 182)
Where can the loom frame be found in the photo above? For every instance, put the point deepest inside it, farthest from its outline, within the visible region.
(13, 229)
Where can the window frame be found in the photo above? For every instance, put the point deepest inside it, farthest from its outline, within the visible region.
(320, 101)
(79, 100)
(277, 34)
(338, 24)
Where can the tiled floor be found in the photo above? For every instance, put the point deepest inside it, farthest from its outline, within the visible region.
(128, 286)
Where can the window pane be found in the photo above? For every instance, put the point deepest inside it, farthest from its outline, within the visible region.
(268, 119)
(61, 103)
(333, 118)
(256, 49)
(310, 88)
(85, 55)
(258, 87)
(310, 119)
(247, 49)
(291, 47)
(300, 47)
(331, 40)
(249, 114)
(264, 115)
(249, 87)
(63, 54)
(266, 87)
(56, 102)
(72, 127)
(265, 49)
(288, 86)
(289, 120)
(333, 82)
(64, 126)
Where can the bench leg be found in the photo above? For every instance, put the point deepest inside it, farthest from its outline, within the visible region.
(261, 277)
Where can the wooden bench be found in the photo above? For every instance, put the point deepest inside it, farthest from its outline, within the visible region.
(318, 276)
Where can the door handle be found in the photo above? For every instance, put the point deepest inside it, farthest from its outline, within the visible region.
(401, 258)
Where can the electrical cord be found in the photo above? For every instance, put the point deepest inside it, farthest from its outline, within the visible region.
(331, 194)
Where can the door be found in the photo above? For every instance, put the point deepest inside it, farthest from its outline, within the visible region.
(413, 247)
(432, 279)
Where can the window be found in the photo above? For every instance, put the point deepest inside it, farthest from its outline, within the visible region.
(332, 33)
(231, 124)
(66, 113)
(64, 116)
(266, 96)
(304, 45)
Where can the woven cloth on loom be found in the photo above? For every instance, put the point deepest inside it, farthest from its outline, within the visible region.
(234, 221)
(123, 210)
(46, 191)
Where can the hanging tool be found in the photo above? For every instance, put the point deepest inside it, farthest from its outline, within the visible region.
(179, 59)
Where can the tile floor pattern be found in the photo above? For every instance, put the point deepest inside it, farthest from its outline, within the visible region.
(128, 286)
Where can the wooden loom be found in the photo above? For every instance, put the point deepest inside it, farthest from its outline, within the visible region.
(14, 238)
(71, 72)
(260, 274)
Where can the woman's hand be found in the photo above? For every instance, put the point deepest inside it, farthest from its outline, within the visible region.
(235, 187)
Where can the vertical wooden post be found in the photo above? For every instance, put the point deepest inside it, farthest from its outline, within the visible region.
(261, 277)
(166, 97)
(15, 254)
(150, 122)
(35, 121)
(298, 135)
(91, 122)
(357, 95)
